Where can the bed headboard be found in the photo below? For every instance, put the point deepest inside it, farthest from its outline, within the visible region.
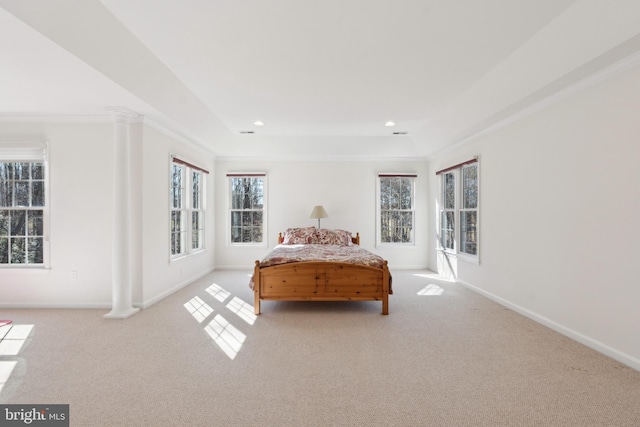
(355, 240)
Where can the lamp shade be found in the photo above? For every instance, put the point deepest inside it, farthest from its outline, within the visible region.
(318, 212)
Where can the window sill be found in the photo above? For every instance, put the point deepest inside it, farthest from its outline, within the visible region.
(187, 255)
(15, 267)
(398, 246)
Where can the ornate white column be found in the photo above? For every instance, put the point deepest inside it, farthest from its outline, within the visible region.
(122, 299)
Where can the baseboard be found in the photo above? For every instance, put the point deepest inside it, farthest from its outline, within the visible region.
(236, 267)
(621, 357)
(391, 267)
(108, 306)
(86, 306)
(407, 267)
(148, 303)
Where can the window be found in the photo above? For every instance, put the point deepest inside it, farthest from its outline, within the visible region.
(448, 213)
(247, 208)
(396, 211)
(197, 213)
(187, 208)
(469, 210)
(459, 208)
(23, 206)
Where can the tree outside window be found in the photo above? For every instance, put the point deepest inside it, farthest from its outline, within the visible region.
(459, 209)
(396, 209)
(247, 208)
(469, 211)
(22, 207)
(448, 213)
(187, 198)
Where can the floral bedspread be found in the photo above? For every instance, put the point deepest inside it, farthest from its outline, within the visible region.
(283, 254)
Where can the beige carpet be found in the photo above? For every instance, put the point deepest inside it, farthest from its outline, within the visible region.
(445, 356)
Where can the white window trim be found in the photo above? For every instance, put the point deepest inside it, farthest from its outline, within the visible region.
(265, 221)
(379, 242)
(202, 209)
(455, 252)
(188, 185)
(32, 151)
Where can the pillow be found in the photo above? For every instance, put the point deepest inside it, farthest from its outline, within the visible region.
(299, 236)
(334, 237)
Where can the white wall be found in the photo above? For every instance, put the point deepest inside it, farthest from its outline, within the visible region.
(161, 276)
(81, 172)
(559, 210)
(346, 189)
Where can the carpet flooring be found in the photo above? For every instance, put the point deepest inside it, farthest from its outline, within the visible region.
(444, 356)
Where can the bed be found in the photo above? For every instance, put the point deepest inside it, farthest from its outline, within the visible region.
(312, 264)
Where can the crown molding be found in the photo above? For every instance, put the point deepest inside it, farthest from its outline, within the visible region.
(313, 158)
(181, 137)
(125, 113)
(544, 103)
(53, 118)
(130, 116)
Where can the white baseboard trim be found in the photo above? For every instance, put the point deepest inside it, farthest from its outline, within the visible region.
(89, 306)
(407, 267)
(107, 306)
(621, 357)
(148, 303)
(236, 267)
(391, 267)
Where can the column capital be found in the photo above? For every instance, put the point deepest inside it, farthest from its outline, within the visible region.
(124, 114)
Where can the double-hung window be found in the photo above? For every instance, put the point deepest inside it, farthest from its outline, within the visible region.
(23, 205)
(247, 208)
(187, 194)
(396, 208)
(459, 205)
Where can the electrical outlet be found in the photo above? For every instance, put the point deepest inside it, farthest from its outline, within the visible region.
(74, 275)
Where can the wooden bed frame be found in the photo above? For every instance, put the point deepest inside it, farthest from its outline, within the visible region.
(321, 281)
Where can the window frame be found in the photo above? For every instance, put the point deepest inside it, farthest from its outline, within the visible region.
(186, 209)
(379, 210)
(458, 210)
(230, 209)
(30, 152)
(199, 210)
(447, 211)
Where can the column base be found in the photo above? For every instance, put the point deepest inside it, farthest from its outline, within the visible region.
(121, 314)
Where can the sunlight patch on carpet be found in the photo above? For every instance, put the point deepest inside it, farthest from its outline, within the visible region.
(12, 338)
(5, 371)
(243, 310)
(199, 309)
(218, 293)
(226, 336)
(431, 290)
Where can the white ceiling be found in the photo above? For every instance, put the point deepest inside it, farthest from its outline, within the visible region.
(325, 74)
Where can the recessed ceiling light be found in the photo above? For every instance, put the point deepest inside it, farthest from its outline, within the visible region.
(258, 123)
(390, 123)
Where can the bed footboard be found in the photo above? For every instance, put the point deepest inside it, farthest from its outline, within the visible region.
(321, 281)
